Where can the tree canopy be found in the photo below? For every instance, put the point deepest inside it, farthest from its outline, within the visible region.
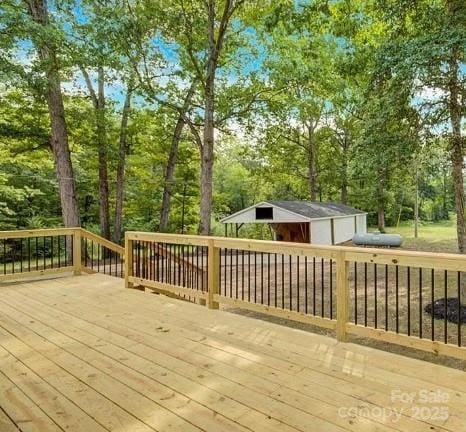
(170, 114)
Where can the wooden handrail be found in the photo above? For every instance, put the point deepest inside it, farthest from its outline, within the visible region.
(37, 233)
(446, 261)
(102, 241)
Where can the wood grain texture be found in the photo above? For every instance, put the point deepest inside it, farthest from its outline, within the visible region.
(84, 347)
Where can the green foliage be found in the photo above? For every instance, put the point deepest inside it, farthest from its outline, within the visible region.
(347, 80)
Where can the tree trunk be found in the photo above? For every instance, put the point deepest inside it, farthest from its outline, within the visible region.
(104, 212)
(457, 156)
(453, 10)
(98, 100)
(120, 180)
(416, 209)
(312, 164)
(344, 172)
(59, 132)
(171, 161)
(381, 201)
(207, 150)
(207, 162)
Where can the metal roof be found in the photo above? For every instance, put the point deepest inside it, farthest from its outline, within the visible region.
(302, 210)
(313, 209)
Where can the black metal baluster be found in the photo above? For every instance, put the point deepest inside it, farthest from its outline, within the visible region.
(408, 275)
(262, 277)
(356, 293)
(220, 272)
(149, 260)
(313, 285)
(37, 253)
(283, 281)
(322, 274)
(420, 302)
(99, 256)
(305, 284)
(236, 273)
(4, 255)
(275, 274)
(177, 251)
(59, 251)
(365, 294)
(249, 276)
(29, 254)
(242, 274)
(20, 255)
(397, 304)
(44, 261)
(268, 279)
(386, 297)
(65, 247)
(185, 271)
(172, 272)
(445, 310)
(138, 259)
(51, 251)
(169, 263)
(190, 268)
(460, 317)
(375, 296)
(255, 277)
(205, 249)
(223, 264)
(331, 288)
(157, 264)
(92, 256)
(13, 258)
(432, 297)
(297, 284)
(291, 281)
(231, 273)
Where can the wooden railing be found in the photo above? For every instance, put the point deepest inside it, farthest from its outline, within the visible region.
(31, 253)
(407, 298)
(392, 296)
(99, 255)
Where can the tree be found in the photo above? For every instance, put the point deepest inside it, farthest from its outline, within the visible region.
(121, 167)
(47, 52)
(172, 157)
(216, 33)
(98, 101)
(428, 42)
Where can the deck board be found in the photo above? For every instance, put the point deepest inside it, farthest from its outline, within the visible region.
(125, 360)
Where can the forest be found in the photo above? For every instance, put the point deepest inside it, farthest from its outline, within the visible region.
(167, 115)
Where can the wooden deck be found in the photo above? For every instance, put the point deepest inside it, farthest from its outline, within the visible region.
(84, 354)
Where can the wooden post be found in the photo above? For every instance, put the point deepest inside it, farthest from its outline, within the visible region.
(342, 296)
(77, 251)
(128, 261)
(213, 275)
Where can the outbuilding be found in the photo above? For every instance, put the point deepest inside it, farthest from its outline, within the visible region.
(324, 223)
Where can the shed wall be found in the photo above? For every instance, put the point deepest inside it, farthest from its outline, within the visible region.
(361, 224)
(344, 229)
(321, 232)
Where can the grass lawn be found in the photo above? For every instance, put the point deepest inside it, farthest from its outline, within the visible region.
(433, 236)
